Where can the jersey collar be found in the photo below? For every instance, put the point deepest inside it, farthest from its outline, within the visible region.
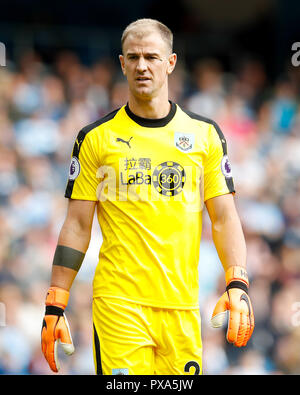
(150, 122)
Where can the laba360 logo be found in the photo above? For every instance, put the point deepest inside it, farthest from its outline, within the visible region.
(139, 180)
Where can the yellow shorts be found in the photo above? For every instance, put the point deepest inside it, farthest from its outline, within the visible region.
(139, 340)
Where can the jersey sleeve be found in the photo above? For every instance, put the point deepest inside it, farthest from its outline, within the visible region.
(83, 182)
(217, 168)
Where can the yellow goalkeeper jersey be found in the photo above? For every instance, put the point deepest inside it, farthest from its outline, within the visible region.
(150, 178)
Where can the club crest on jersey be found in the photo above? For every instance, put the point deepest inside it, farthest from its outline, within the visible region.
(74, 168)
(184, 141)
(226, 167)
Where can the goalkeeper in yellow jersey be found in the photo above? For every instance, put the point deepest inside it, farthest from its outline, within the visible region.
(147, 169)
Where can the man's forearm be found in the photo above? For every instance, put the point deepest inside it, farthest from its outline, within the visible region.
(74, 235)
(62, 277)
(69, 255)
(229, 241)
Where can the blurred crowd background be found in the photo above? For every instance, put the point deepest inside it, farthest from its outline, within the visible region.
(46, 100)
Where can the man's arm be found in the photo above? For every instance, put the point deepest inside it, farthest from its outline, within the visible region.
(227, 232)
(230, 244)
(72, 245)
(74, 239)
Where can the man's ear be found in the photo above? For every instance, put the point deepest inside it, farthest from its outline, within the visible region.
(171, 63)
(122, 61)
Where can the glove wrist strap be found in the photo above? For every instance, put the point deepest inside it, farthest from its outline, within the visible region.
(54, 310)
(57, 297)
(237, 284)
(236, 273)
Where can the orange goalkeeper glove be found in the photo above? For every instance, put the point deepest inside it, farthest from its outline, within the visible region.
(237, 302)
(55, 327)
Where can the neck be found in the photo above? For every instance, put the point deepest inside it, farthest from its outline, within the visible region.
(155, 108)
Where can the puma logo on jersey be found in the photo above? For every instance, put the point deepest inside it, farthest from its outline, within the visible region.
(124, 141)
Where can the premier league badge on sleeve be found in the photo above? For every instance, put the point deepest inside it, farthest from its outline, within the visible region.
(184, 141)
(74, 168)
(226, 167)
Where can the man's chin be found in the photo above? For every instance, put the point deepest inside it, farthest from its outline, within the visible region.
(144, 94)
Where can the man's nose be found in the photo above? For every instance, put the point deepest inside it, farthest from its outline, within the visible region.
(142, 64)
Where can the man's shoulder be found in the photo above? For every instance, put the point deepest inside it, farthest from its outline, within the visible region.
(106, 118)
(201, 118)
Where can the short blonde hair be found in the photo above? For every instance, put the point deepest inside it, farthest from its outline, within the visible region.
(144, 26)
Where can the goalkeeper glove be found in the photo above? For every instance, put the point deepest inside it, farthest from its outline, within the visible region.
(237, 302)
(55, 327)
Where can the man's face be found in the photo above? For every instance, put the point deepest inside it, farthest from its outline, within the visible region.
(146, 62)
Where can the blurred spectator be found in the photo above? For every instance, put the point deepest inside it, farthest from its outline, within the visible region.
(210, 93)
(284, 107)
